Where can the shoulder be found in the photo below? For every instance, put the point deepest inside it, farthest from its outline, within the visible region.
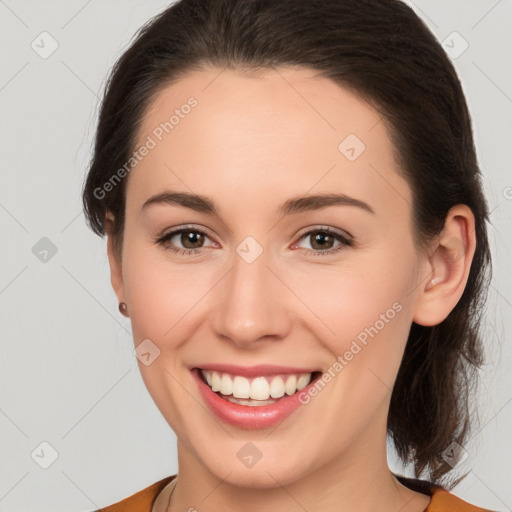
(141, 501)
(441, 500)
(444, 501)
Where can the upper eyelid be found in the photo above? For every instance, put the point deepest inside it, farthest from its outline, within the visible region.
(327, 229)
(179, 229)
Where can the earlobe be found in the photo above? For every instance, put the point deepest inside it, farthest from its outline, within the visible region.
(447, 266)
(116, 274)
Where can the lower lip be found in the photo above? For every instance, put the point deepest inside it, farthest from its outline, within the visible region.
(245, 416)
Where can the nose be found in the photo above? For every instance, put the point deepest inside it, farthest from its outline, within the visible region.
(252, 304)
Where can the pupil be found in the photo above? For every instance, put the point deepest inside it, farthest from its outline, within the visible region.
(322, 237)
(189, 236)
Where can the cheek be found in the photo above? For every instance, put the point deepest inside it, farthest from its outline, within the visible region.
(163, 297)
(361, 314)
(363, 321)
(348, 299)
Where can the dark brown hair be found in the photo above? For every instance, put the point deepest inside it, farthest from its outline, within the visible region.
(382, 51)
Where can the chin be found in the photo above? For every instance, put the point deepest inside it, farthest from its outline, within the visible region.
(277, 465)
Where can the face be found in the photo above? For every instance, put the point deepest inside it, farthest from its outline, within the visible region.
(322, 286)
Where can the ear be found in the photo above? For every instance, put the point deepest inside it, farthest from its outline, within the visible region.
(114, 259)
(447, 265)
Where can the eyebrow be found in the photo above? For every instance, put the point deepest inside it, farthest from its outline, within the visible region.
(295, 205)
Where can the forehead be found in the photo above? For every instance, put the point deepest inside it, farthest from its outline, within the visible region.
(248, 135)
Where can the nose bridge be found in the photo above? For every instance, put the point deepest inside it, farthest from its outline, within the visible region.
(251, 305)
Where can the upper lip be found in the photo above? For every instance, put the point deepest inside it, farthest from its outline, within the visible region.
(255, 371)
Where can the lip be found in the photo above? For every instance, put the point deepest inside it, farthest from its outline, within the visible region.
(255, 371)
(247, 417)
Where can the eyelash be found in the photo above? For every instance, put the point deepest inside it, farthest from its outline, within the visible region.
(344, 241)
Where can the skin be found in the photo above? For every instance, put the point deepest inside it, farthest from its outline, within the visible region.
(250, 144)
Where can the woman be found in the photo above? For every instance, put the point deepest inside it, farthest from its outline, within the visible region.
(296, 230)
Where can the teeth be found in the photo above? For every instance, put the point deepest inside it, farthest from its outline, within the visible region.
(215, 385)
(277, 387)
(290, 386)
(303, 381)
(259, 388)
(241, 387)
(226, 385)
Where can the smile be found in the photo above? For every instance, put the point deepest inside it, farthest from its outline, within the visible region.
(252, 397)
(258, 389)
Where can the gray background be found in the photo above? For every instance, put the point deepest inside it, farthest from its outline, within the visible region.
(68, 374)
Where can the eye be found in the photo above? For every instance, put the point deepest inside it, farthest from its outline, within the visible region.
(323, 239)
(190, 238)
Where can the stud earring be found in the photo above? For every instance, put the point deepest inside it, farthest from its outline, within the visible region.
(123, 309)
